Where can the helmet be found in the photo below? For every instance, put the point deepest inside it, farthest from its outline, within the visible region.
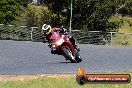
(46, 29)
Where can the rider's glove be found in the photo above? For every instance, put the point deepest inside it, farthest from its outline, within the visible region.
(64, 31)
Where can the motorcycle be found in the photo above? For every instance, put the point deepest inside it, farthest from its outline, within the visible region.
(61, 45)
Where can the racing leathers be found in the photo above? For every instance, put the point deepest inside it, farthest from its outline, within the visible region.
(62, 31)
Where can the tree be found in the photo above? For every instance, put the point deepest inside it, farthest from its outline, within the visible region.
(60, 10)
(87, 14)
(126, 8)
(9, 9)
(36, 16)
(95, 14)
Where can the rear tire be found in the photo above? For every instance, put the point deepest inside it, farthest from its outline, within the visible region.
(68, 55)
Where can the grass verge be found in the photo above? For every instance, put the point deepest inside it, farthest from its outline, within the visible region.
(122, 39)
(56, 81)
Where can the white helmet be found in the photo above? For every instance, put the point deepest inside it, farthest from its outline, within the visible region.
(46, 29)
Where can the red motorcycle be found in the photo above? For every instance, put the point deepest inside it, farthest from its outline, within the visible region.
(61, 45)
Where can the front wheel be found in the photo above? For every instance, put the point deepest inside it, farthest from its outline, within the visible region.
(68, 55)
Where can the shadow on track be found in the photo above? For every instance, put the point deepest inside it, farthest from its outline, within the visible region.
(59, 63)
(65, 62)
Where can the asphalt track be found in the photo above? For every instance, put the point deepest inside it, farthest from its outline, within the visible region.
(24, 57)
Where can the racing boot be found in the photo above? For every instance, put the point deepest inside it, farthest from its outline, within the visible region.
(77, 48)
(73, 41)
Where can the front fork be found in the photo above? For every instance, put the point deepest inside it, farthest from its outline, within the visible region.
(56, 50)
(53, 49)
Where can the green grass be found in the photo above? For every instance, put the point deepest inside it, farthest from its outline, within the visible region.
(126, 27)
(122, 39)
(54, 82)
(126, 23)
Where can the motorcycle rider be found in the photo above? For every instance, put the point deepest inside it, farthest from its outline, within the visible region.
(48, 30)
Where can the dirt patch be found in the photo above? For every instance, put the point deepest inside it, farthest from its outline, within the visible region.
(31, 77)
(17, 77)
(60, 75)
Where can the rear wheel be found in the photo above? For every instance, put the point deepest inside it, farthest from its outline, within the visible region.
(68, 55)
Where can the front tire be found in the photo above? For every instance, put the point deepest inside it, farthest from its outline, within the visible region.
(68, 55)
(77, 56)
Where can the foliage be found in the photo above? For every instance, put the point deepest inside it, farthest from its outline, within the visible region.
(87, 14)
(9, 9)
(60, 11)
(36, 15)
(126, 8)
